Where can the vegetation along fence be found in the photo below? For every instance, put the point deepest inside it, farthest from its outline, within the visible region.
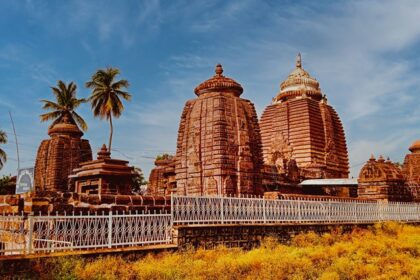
(33, 234)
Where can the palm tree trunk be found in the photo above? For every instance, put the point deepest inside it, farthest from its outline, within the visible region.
(110, 133)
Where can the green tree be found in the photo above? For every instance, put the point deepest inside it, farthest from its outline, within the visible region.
(138, 181)
(3, 155)
(66, 102)
(7, 184)
(106, 94)
(163, 156)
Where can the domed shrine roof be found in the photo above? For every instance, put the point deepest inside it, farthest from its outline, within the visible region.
(380, 170)
(415, 147)
(298, 83)
(65, 125)
(219, 83)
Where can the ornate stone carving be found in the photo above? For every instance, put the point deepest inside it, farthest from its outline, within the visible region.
(59, 155)
(162, 177)
(411, 170)
(383, 180)
(300, 125)
(218, 138)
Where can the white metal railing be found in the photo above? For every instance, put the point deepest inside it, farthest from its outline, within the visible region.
(13, 236)
(235, 210)
(37, 234)
(54, 233)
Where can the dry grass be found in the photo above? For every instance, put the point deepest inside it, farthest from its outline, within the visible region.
(386, 251)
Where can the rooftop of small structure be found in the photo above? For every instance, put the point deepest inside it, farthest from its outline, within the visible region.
(380, 170)
(299, 83)
(218, 83)
(103, 165)
(330, 182)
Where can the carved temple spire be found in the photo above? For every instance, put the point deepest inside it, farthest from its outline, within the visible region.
(299, 61)
(219, 70)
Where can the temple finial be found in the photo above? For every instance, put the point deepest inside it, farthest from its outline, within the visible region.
(299, 61)
(219, 69)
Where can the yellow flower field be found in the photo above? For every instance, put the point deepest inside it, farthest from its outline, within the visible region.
(385, 251)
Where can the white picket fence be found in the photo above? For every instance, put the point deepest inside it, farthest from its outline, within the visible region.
(34, 234)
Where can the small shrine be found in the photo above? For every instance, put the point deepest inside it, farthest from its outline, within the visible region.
(103, 175)
(382, 180)
(162, 177)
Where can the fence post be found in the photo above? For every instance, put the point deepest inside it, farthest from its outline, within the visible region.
(329, 210)
(356, 208)
(264, 209)
(299, 213)
(172, 210)
(110, 229)
(222, 216)
(31, 232)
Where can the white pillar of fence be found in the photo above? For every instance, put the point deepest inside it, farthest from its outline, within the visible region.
(30, 232)
(264, 212)
(222, 216)
(110, 229)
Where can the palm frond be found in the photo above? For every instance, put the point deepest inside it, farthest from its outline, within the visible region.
(3, 137)
(3, 158)
(50, 105)
(120, 84)
(55, 115)
(123, 94)
(79, 120)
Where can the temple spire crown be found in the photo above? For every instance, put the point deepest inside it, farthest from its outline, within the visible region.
(299, 61)
(219, 70)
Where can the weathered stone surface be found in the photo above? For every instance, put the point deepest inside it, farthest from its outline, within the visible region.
(219, 145)
(162, 178)
(411, 170)
(300, 125)
(382, 180)
(247, 236)
(59, 155)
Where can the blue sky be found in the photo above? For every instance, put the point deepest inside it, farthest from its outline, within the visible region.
(365, 54)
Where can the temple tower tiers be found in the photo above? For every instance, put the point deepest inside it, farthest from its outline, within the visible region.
(59, 155)
(219, 145)
(411, 167)
(411, 171)
(299, 125)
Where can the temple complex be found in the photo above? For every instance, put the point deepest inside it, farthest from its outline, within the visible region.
(300, 151)
(299, 125)
(219, 145)
(382, 180)
(162, 178)
(59, 155)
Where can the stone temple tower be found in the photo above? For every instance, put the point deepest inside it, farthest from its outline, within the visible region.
(299, 125)
(59, 155)
(219, 146)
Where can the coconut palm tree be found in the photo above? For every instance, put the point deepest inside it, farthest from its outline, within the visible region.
(66, 102)
(106, 94)
(3, 156)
